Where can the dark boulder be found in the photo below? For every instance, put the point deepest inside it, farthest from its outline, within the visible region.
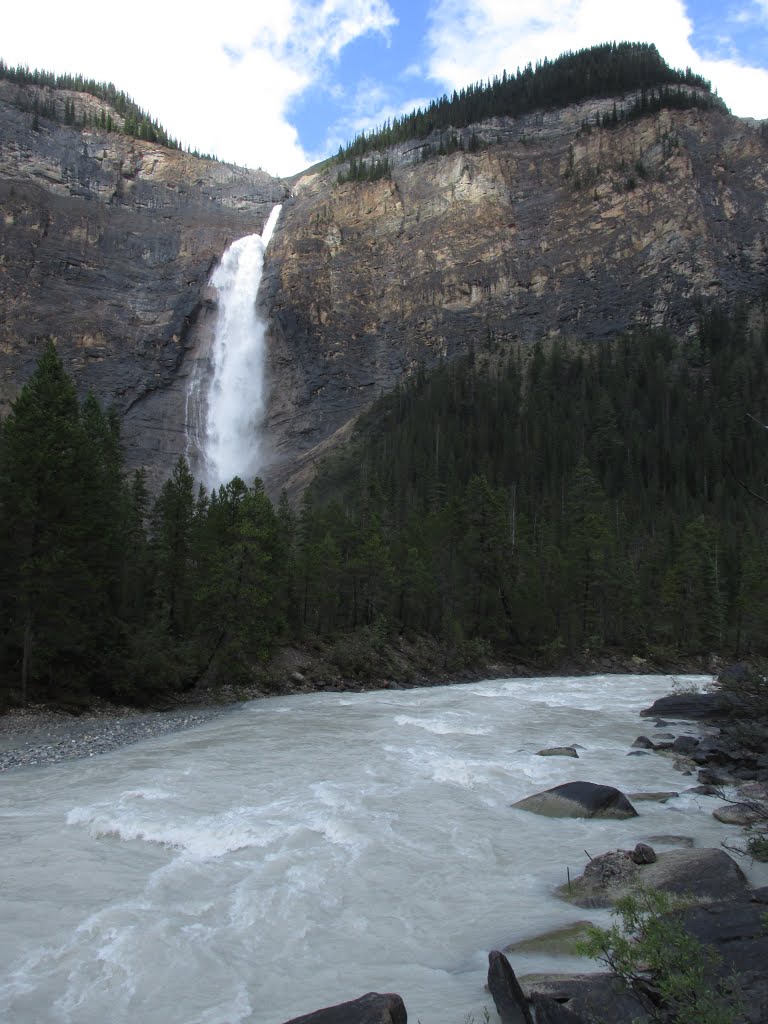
(549, 1011)
(557, 752)
(644, 854)
(372, 1008)
(579, 800)
(594, 996)
(643, 743)
(736, 931)
(685, 744)
(690, 706)
(511, 1004)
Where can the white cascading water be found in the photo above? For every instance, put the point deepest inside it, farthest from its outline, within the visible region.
(299, 851)
(236, 395)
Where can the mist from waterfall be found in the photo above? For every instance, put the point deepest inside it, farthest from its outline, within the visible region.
(235, 400)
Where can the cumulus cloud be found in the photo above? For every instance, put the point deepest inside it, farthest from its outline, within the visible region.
(471, 40)
(223, 85)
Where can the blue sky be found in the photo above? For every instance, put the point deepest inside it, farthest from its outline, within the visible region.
(279, 85)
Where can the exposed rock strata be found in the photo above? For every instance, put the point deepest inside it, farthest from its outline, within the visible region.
(549, 232)
(107, 243)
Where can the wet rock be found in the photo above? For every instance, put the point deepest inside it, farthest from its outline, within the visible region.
(638, 753)
(511, 1004)
(557, 752)
(579, 800)
(549, 1011)
(372, 1008)
(715, 776)
(685, 744)
(557, 942)
(736, 931)
(740, 813)
(594, 996)
(659, 798)
(644, 854)
(643, 743)
(689, 706)
(671, 840)
(706, 874)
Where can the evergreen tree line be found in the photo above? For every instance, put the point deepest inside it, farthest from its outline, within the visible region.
(610, 69)
(104, 592)
(559, 499)
(534, 501)
(136, 122)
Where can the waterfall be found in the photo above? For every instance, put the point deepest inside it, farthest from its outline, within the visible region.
(233, 403)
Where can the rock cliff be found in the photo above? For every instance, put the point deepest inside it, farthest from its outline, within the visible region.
(550, 229)
(107, 243)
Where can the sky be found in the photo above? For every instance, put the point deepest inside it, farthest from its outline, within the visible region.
(280, 84)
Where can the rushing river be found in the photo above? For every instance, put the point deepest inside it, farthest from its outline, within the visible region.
(304, 850)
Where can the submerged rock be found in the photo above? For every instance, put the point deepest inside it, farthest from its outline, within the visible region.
(557, 752)
(579, 800)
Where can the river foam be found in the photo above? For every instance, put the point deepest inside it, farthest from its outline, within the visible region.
(304, 850)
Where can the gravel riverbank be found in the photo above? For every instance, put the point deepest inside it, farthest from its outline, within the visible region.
(37, 736)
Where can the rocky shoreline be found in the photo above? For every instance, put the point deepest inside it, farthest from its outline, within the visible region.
(40, 736)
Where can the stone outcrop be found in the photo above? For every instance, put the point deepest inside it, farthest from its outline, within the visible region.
(548, 231)
(579, 800)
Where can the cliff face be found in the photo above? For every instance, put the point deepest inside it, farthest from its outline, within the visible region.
(107, 243)
(550, 230)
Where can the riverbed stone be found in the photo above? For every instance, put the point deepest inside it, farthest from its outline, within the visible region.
(689, 706)
(706, 874)
(644, 854)
(557, 752)
(372, 1008)
(740, 813)
(579, 800)
(643, 743)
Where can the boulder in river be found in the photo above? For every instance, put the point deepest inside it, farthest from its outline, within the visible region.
(557, 752)
(707, 874)
(690, 706)
(740, 813)
(579, 800)
(372, 1008)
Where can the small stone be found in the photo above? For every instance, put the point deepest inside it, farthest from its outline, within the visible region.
(644, 854)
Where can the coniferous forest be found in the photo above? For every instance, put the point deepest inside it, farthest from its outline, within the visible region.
(526, 501)
(610, 69)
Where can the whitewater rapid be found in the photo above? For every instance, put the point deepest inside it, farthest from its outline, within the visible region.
(228, 406)
(301, 851)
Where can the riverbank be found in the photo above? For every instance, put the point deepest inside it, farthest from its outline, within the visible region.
(40, 734)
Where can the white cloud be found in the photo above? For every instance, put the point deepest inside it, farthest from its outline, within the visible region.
(220, 79)
(471, 40)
